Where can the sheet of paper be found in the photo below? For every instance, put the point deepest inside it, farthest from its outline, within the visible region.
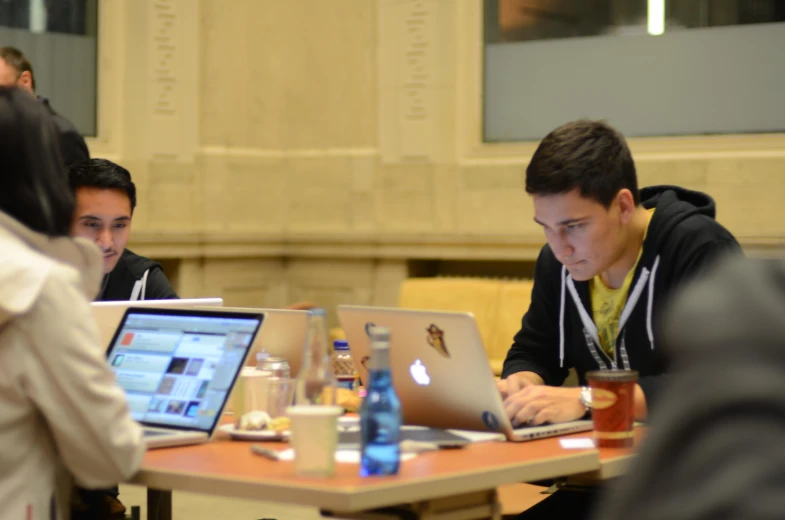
(405, 427)
(473, 436)
(344, 456)
(584, 442)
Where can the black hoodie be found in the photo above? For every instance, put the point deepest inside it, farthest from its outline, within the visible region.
(558, 331)
(132, 270)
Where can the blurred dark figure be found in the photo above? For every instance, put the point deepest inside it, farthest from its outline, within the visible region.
(716, 449)
(17, 71)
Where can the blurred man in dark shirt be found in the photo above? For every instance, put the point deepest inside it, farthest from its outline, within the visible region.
(16, 70)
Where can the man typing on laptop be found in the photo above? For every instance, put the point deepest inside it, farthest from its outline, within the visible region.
(613, 256)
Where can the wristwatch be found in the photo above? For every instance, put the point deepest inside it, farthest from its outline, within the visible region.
(586, 398)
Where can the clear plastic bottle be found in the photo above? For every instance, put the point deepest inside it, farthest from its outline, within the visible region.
(315, 383)
(343, 366)
(380, 413)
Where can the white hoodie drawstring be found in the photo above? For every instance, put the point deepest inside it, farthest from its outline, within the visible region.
(651, 301)
(561, 317)
(140, 287)
(144, 284)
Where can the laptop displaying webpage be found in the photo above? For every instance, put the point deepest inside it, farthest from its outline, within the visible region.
(177, 371)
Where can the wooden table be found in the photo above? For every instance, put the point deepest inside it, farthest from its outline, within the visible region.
(613, 461)
(448, 483)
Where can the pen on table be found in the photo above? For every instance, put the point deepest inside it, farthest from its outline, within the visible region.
(265, 452)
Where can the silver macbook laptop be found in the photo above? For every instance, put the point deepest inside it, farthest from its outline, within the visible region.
(178, 367)
(283, 335)
(108, 314)
(440, 370)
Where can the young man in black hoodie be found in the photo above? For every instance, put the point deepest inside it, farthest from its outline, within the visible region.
(105, 202)
(613, 256)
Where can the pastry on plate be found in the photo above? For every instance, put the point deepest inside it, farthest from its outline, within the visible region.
(253, 421)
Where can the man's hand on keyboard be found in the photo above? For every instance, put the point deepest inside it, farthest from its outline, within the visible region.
(538, 404)
(513, 383)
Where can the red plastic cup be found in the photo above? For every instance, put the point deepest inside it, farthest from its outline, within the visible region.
(613, 407)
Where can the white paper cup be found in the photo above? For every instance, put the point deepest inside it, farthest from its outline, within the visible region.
(314, 438)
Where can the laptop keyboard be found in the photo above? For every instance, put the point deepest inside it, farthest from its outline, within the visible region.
(524, 427)
(551, 430)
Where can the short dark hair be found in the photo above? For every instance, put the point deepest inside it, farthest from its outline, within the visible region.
(33, 186)
(18, 61)
(102, 174)
(591, 156)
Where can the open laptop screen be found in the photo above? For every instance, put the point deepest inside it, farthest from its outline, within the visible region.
(177, 367)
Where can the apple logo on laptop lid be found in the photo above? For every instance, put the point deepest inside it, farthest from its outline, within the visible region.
(419, 373)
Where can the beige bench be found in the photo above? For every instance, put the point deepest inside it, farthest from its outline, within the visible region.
(497, 305)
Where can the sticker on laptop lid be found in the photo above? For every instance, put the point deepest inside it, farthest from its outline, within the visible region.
(436, 340)
(368, 327)
(490, 421)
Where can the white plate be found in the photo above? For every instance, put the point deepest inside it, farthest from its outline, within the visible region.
(349, 420)
(260, 435)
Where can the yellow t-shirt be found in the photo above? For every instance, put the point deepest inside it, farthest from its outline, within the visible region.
(607, 304)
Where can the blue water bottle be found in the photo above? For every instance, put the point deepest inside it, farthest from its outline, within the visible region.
(380, 413)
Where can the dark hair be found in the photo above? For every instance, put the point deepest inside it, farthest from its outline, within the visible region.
(101, 174)
(591, 156)
(18, 61)
(33, 187)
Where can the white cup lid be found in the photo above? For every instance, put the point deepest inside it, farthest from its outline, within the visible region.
(314, 411)
(256, 373)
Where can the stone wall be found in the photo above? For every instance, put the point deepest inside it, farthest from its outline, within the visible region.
(313, 150)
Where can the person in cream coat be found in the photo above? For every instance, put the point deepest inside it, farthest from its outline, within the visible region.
(63, 417)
